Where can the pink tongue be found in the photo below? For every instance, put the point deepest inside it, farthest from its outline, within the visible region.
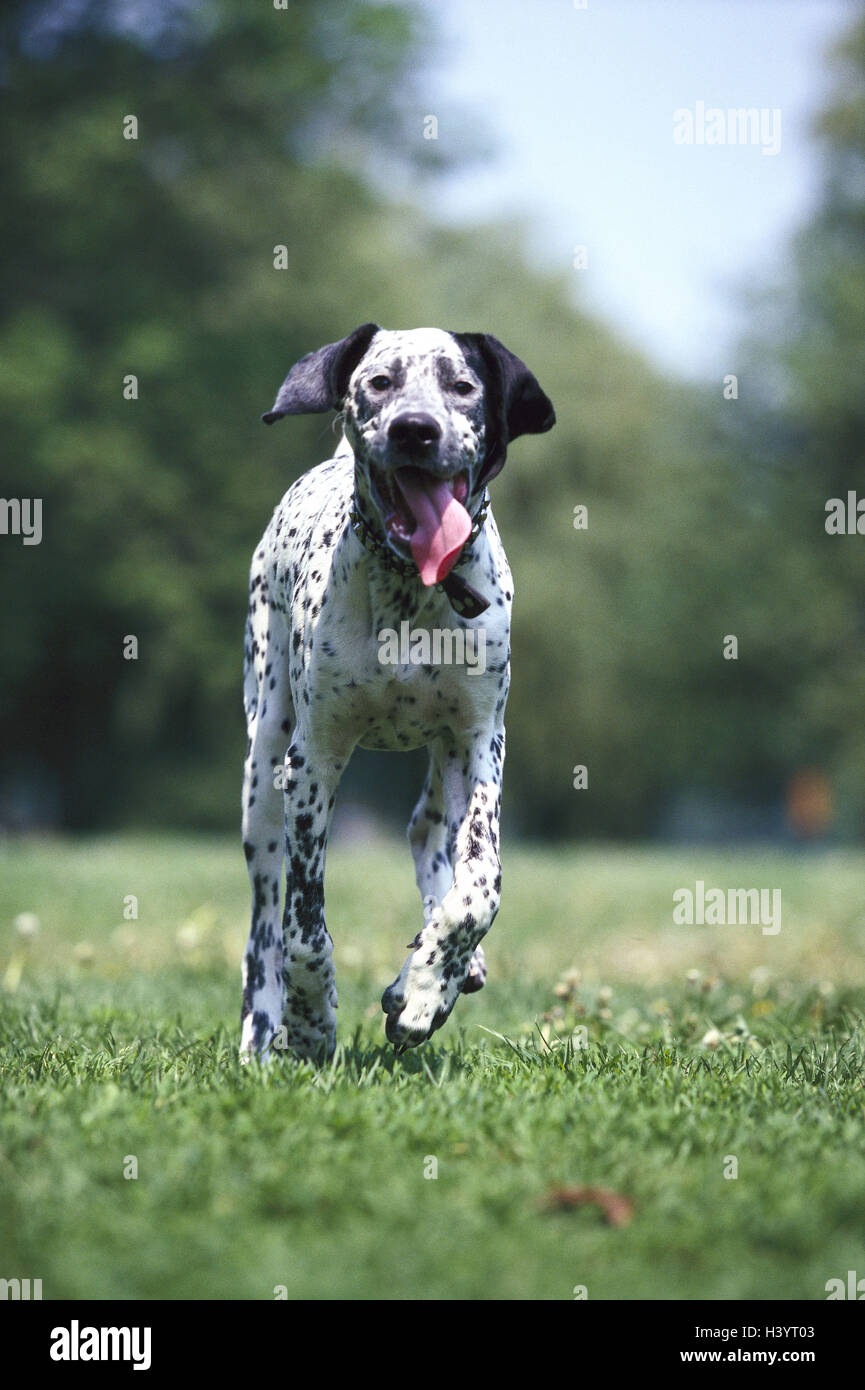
(443, 524)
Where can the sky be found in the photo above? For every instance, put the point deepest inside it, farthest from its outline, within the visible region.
(580, 104)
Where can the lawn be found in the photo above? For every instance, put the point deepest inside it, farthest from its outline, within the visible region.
(677, 1056)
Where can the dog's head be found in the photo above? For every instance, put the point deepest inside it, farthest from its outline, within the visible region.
(429, 415)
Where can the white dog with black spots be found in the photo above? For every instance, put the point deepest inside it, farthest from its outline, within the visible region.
(395, 528)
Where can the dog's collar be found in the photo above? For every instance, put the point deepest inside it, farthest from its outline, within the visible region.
(464, 599)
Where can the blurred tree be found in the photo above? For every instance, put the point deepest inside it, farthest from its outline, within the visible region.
(155, 257)
(805, 424)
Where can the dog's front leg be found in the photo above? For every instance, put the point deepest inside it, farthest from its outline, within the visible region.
(421, 998)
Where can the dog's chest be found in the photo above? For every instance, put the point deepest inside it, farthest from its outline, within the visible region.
(398, 675)
(373, 657)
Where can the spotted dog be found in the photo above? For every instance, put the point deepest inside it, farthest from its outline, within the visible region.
(394, 529)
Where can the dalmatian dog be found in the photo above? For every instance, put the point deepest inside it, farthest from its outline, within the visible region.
(393, 535)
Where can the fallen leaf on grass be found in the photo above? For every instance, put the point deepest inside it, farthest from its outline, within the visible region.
(617, 1209)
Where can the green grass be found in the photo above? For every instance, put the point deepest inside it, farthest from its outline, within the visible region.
(118, 1038)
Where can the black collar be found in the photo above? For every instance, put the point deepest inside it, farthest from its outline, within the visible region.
(462, 597)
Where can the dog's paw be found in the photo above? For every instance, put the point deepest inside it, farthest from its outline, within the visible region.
(418, 1002)
(308, 1028)
(477, 973)
(306, 1039)
(258, 1028)
(307, 1043)
(414, 1021)
(443, 964)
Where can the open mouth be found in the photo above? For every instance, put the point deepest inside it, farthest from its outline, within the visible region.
(427, 515)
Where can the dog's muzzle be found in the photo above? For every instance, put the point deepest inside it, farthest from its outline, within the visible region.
(422, 502)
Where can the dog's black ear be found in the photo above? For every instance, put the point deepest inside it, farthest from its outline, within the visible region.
(515, 402)
(319, 380)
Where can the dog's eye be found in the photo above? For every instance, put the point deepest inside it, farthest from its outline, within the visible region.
(463, 388)
(380, 383)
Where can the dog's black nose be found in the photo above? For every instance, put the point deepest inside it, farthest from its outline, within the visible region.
(414, 432)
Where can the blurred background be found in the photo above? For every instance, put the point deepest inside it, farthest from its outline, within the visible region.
(441, 164)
